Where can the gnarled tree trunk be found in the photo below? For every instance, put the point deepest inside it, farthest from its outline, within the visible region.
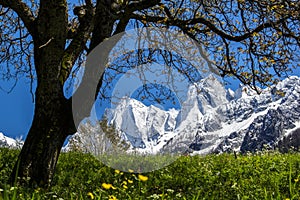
(45, 139)
(52, 115)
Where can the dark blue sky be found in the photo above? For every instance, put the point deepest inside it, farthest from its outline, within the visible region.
(17, 107)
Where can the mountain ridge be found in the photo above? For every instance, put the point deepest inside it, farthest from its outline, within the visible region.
(211, 120)
(214, 119)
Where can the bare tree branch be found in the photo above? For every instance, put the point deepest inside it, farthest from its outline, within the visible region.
(183, 24)
(23, 11)
(141, 5)
(129, 9)
(79, 40)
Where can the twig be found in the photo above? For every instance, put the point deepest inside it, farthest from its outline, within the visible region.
(46, 43)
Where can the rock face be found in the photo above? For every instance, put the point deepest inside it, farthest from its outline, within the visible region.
(213, 119)
(290, 142)
(145, 127)
(277, 117)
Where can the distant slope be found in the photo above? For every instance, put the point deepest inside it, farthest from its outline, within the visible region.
(9, 142)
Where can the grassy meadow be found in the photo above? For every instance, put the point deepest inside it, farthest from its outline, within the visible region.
(265, 175)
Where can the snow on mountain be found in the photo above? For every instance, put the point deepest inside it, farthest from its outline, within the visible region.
(9, 142)
(211, 119)
(141, 125)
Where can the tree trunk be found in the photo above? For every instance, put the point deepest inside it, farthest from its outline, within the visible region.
(52, 123)
(44, 141)
(53, 117)
(53, 112)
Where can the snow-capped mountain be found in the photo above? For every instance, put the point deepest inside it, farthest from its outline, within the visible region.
(213, 119)
(143, 126)
(9, 142)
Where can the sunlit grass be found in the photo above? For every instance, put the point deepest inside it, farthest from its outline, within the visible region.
(81, 176)
(137, 163)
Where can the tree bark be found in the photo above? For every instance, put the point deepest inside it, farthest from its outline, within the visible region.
(53, 112)
(52, 123)
(53, 117)
(45, 139)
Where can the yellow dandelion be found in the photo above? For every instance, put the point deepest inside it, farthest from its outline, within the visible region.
(107, 186)
(130, 181)
(112, 197)
(143, 178)
(91, 195)
(162, 195)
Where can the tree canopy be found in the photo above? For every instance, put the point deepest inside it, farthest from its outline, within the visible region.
(255, 41)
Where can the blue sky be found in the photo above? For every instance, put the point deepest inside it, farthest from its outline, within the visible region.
(17, 107)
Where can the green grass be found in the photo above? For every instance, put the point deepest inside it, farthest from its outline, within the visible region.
(81, 176)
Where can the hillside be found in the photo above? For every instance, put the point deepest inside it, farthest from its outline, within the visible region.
(80, 176)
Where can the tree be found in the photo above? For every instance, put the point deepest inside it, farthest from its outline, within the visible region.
(255, 41)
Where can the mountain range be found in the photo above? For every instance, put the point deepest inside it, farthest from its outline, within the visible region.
(212, 119)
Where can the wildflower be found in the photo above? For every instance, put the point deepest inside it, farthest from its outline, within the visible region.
(130, 171)
(143, 178)
(155, 196)
(125, 187)
(178, 195)
(91, 195)
(296, 180)
(107, 186)
(112, 197)
(130, 181)
(170, 190)
(117, 171)
(234, 185)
